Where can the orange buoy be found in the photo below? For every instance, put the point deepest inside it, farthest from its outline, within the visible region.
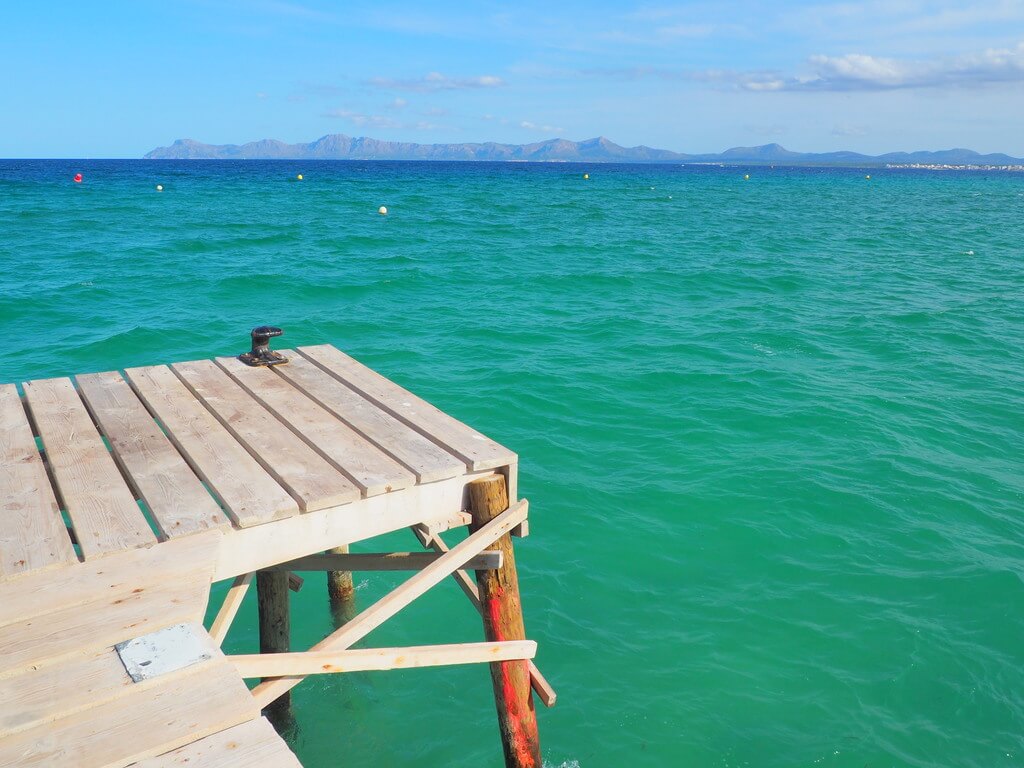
(78, 178)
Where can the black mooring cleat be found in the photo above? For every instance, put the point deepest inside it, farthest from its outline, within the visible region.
(261, 353)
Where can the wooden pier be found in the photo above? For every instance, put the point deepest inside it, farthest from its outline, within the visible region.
(125, 495)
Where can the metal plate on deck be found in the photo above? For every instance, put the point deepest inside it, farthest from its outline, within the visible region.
(165, 650)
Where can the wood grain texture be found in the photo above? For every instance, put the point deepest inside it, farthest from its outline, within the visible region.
(379, 659)
(51, 637)
(32, 531)
(246, 491)
(253, 744)
(100, 504)
(43, 694)
(477, 450)
(425, 458)
(370, 468)
(146, 722)
(176, 497)
(312, 481)
(40, 593)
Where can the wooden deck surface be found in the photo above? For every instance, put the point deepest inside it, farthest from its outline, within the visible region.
(124, 495)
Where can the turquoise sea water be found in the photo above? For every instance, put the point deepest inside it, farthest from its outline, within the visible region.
(771, 430)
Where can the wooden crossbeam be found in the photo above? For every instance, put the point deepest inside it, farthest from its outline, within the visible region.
(382, 561)
(538, 682)
(365, 659)
(401, 596)
(446, 523)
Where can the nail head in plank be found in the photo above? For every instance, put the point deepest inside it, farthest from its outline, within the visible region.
(310, 478)
(32, 531)
(101, 506)
(147, 722)
(429, 461)
(477, 450)
(254, 744)
(373, 470)
(175, 496)
(248, 493)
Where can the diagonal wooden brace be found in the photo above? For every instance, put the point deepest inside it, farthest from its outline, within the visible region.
(400, 597)
(545, 692)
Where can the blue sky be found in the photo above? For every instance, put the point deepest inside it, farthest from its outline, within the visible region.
(115, 79)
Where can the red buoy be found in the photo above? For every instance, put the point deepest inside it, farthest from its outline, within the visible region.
(78, 178)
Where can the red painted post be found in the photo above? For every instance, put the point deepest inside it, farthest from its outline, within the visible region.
(503, 620)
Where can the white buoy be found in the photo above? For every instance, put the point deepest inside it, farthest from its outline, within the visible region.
(159, 187)
(299, 177)
(382, 211)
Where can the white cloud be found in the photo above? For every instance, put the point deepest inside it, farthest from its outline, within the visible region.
(435, 81)
(398, 104)
(862, 72)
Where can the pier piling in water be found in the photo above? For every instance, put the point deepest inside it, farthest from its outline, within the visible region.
(275, 629)
(503, 621)
(341, 591)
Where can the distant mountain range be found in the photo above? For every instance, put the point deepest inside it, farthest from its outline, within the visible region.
(338, 146)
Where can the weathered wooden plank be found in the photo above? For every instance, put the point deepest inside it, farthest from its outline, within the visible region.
(307, 475)
(246, 491)
(38, 696)
(146, 722)
(253, 744)
(378, 659)
(43, 694)
(101, 506)
(477, 450)
(36, 594)
(52, 637)
(428, 461)
(32, 532)
(175, 496)
(398, 598)
(381, 561)
(372, 470)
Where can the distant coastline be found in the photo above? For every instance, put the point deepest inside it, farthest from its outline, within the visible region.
(598, 150)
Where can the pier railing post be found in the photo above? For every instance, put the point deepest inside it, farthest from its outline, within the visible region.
(341, 591)
(275, 630)
(503, 620)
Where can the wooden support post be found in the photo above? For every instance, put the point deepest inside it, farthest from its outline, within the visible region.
(503, 621)
(275, 632)
(341, 591)
(541, 686)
